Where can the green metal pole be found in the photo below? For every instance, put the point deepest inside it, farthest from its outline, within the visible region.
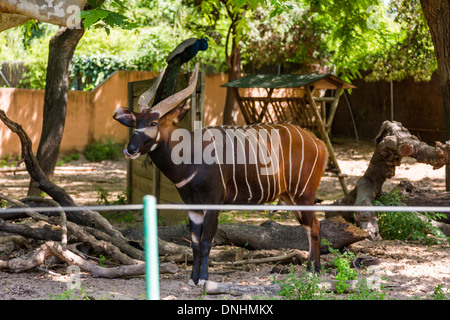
(151, 248)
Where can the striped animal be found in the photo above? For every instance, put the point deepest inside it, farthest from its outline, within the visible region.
(228, 165)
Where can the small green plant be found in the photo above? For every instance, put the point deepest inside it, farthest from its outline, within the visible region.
(103, 150)
(103, 195)
(363, 292)
(406, 225)
(439, 293)
(306, 286)
(9, 161)
(343, 264)
(226, 217)
(67, 159)
(102, 261)
(72, 294)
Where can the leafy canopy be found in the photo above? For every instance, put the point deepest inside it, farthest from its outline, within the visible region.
(349, 38)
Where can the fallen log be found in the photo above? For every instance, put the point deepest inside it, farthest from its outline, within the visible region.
(272, 235)
(295, 255)
(213, 287)
(414, 196)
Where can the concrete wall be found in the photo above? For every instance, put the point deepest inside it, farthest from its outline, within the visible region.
(89, 113)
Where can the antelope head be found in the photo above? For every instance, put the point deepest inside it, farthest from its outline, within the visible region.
(149, 123)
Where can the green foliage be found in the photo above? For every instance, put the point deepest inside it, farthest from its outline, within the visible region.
(88, 72)
(440, 294)
(292, 36)
(102, 17)
(67, 159)
(306, 286)
(103, 150)
(406, 225)
(343, 264)
(406, 51)
(327, 35)
(103, 195)
(9, 161)
(72, 294)
(28, 44)
(363, 292)
(389, 41)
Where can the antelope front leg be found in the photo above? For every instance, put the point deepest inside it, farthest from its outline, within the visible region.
(203, 229)
(210, 223)
(311, 225)
(196, 226)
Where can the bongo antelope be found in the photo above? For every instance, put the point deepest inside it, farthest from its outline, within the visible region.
(233, 173)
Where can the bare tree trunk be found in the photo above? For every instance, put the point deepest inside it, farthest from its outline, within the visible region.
(393, 142)
(61, 49)
(437, 14)
(234, 70)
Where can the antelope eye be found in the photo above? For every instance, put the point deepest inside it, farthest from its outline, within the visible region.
(153, 124)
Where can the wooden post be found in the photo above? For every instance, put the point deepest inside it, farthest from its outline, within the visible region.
(325, 137)
(333, 108)
(266, 104)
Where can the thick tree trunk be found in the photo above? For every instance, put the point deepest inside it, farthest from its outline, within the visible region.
(437, 14)
(234, 69)
(234, 72)
(61, 49)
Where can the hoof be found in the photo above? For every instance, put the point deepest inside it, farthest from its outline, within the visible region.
(201, 282)
(191, 283)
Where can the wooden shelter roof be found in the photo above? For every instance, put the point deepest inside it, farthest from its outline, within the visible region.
(277, 81)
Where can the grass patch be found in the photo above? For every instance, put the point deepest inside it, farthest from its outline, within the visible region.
(406, 226)
(103, 150)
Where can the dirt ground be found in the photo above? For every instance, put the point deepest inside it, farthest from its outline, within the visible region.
(408, 270)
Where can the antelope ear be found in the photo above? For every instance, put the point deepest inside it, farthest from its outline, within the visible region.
(126, 117)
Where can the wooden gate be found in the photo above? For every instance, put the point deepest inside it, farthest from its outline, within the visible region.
(143, 177)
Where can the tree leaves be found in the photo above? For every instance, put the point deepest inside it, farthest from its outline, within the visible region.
(106, 18)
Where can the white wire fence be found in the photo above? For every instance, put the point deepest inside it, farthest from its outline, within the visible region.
(234, 207)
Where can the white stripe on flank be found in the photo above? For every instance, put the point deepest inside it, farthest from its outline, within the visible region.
(218, 162)
(234, 165)
(314, 165)
(245, 164)
(272, 152)
(184, 182)
(280, 148)
(267, 176)
(256, 164)
(303, 157)
(290, 157)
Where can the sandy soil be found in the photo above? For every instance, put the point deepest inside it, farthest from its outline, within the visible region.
(410, 270)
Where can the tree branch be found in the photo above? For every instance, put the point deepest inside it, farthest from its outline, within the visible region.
(45, 184)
